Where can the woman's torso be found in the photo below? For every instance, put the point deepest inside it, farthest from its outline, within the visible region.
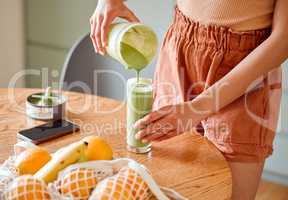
(240, 15)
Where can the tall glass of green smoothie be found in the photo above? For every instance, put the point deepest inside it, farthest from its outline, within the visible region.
(139, 104)
(134, 45)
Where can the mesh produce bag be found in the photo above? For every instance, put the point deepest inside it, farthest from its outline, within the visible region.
(8, 171)
(121, 178)
(126, 184)
(27, 187)
(78, 184)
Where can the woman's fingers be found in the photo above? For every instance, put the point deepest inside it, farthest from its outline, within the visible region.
(163, 125)
(130, 16)
(101, 19)
(152, 137)
(166, 136)
(152, 117)
(157, 137)
(143, 122)
(105, 29)
(154, 129)
(98, 34)
(92, 32)
(106, 22)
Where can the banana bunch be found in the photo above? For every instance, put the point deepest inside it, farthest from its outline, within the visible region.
(88, 149)
(61, 159)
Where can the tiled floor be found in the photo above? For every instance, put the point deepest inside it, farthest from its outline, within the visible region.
(272, 191)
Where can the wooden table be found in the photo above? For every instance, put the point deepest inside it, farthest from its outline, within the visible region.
(188, 163)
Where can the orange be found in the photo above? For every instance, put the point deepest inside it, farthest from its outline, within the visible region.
(97, 149)
(78, 183)
(126, 184)
(31, 160)
(27, 187)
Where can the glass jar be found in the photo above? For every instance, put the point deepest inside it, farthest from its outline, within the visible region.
(139, 104)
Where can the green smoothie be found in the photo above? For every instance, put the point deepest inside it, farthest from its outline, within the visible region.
(133, 58)
(134, 45)
(139, 104)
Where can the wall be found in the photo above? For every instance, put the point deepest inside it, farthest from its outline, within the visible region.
(156, 14)
(11, 40)
(276, 168)
(53, 26)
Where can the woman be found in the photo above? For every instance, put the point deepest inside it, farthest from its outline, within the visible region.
(218, 67)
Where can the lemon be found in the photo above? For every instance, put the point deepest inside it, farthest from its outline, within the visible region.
(97, 149)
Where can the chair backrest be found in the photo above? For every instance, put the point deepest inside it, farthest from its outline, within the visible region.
(86, 71)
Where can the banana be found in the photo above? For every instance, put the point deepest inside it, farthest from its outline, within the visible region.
(61, 159)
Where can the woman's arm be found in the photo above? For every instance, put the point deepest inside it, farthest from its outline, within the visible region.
(267, 56)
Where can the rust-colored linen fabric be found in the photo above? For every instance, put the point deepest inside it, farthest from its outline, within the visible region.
(192, 58)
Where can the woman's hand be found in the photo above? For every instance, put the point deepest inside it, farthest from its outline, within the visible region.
(167, 122)
(105, 12)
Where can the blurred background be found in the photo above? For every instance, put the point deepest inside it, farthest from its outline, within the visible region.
(38, 34)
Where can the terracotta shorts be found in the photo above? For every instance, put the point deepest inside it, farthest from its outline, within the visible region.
(192, 58)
